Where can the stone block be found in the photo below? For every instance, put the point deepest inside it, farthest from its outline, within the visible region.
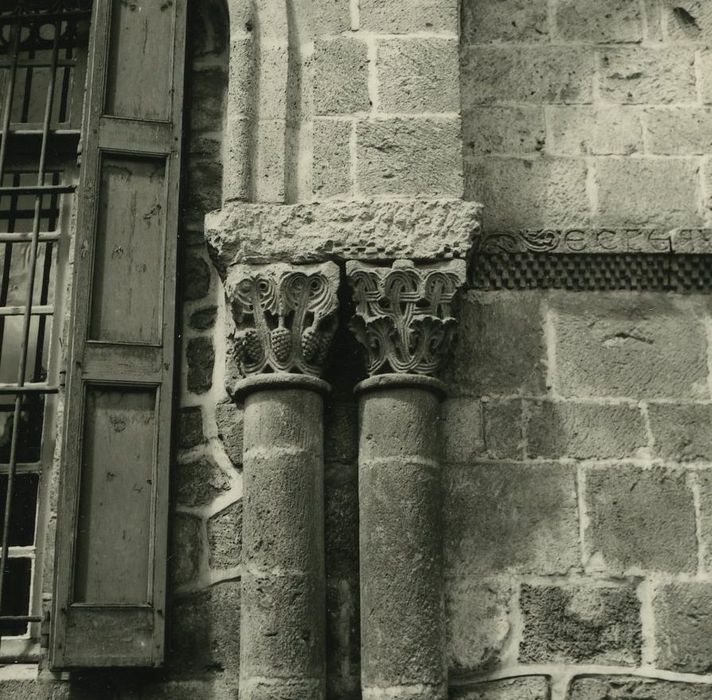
(230, 420)
(593, 624)
(204, 632)
(199, 482)
(639, 520)
(705, 62)
(508, 20)
(704, 481)
(418, 157)
(687, 20)
(683, 627)
(500, 347)
(340, 75)
(529, 192)
(203, 319)
(331, 158)
(582, 130)
(648, 192)
(681, 433)
(636, 688)
(342, 523)
(584, 430)
(504, 438)
(504, 130)
(268, 161)
(520, 688)
(195, 277)
(341, 432)
(510, 517)
(648, 75)
(343, 640)
(331, 16)
(416, 228)
(461, 430)
(200, 358)
(649, 345)
(203, 188)
(608, 21)
(549, 74)
(679, 130)
(190, 427)
(207, 100)
(405, 18)
(186, 549)
(225, 537)
(479, 624)
(418, 75)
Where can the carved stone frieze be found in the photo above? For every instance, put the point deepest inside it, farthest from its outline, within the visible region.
(285, 316)
(404, 314)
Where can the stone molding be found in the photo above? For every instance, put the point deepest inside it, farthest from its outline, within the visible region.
(284, 315)
(404, 315)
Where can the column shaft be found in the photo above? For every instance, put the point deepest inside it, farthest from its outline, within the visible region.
(402, 635)
(282, 654)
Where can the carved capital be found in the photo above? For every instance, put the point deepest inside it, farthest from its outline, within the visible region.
(404, 314)
(285, 316)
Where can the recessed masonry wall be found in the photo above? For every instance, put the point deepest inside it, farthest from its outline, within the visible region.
(578, 491)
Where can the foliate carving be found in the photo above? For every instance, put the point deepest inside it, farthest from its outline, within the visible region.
(285, 316)
(404, 314)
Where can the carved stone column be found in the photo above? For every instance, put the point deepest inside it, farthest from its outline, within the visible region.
(284, 321)
(404, 320)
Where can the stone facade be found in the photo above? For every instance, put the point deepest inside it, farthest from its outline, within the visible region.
(574, 456)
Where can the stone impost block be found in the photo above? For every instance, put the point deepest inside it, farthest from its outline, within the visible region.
(417, 228)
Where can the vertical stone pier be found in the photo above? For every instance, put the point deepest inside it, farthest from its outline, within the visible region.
(404, 321)
(284, 318)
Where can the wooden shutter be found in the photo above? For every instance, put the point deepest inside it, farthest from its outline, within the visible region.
(111, 547)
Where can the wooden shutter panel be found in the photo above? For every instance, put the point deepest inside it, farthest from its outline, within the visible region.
(111, 541)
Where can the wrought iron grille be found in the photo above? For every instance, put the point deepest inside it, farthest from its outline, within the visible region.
(42, 72)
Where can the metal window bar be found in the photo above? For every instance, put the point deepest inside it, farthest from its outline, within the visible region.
(29, 393)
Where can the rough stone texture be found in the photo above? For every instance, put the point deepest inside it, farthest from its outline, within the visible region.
(479, 623)
(606, 21)
(683, 627)
(196, 277)
(704, 480)
(510, 517)
(186, 550)
(331, 161)
(418, 157)
(636, 688)
(647, 192)
(225, 537)
(340, 75)
(522, 688)
(681, 433)
(405, 18)
(190, 427)
(679, 130)
(462, 430)
(418, 229)
(505, 130)
(639, 520)
(331, 16)
(507, 20)
(229, 419)
(499, 347)
(595, 624)
(205, 632)
(418, 75)
(203, 319)
(199, 482)
(637, 75)
(584, 430)
(647, 345)
(689, 20)
(504, 438)
(528, 192)
(341, 432)
(533, 74)
(342, 523)
(200, 358)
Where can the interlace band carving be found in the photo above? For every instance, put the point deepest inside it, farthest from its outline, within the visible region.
(285, 316)
(404, 314)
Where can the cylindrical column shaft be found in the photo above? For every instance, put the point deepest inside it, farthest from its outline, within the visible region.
(402, 628)
(282, 654)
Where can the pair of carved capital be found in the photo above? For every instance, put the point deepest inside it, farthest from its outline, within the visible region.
(286, 315)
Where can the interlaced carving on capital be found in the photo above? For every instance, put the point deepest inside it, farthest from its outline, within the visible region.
(285, 316)
(404, 314)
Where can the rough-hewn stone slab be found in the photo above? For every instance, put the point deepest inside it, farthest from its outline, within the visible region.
(419, 229)
(632, 688)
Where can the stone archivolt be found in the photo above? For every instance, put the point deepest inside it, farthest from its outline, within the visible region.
(404, 314)
(285, 316)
